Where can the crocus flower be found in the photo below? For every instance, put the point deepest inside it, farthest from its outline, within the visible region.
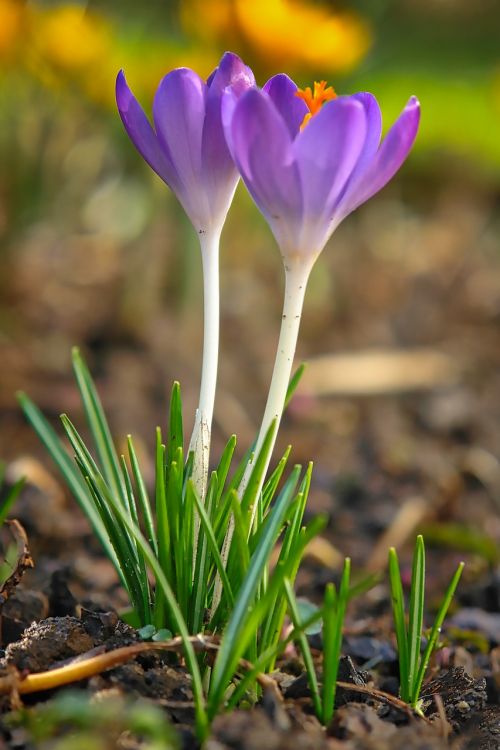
(309, 158)
(186, 147)
(188, 150)
(307, 173)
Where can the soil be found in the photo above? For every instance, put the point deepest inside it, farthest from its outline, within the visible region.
(460, 711)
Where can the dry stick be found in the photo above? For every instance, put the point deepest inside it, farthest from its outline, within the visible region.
(381, 696)
(82, 668)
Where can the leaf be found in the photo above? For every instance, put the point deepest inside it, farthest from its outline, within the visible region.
(162, 635)
(434, 634)
(180, 624)
(69, 472)
(399, 622)
(142, 496)
(334, 608)
(147, 632)
(296, 618)
(162, 528)
(416, 613)
(203, 559)
(175, 424)
(294, 382)
(212, 543)
(250, 496)
(232, 643)
(120, 539)
(305, 609)
(99, 427)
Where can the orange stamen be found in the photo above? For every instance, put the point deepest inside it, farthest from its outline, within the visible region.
(315, 99)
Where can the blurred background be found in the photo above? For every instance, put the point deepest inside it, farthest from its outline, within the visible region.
(400, 405)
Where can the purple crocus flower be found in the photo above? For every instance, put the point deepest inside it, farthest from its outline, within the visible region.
(186, 147)
(308, 160)
(306, 180)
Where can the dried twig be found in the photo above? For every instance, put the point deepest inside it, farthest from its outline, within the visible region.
(90, 664)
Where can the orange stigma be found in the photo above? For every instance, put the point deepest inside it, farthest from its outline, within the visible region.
(315, 99)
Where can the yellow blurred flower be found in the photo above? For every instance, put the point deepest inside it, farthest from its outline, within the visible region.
(70, 38)
(13, 17)
(66, 46)
(283, 34)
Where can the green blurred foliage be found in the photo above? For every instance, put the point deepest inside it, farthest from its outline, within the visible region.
(72, 721)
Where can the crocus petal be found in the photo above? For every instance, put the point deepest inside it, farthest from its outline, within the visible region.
(282, 91)
(228, 105)
(373, 132)
(179, 114)
(262, 147)
(217, 168)
(327, 151)
(386, 162)
(233, 72)
(141, 133)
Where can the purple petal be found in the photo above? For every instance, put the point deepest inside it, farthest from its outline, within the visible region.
(141, 133)
(231, 71)
(179, 114)
(386, 162)
(373, 131)
(282, 91)
(228, 105)
(218, 169)
(327, 151)
(262, 147)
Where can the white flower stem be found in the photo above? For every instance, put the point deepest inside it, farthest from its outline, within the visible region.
(296, 277)
(200, 439)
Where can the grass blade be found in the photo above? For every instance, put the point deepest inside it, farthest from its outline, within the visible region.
(203, 562)
(69, 472)
(212, 543)
(162, 528)
(416, 612)
(142, 496)
(333, 620)
(179, 622)
(273, 626)
(240, 539)
(175, 424)
(141, 565)
(250, 496)
(99, 427)
(398, 610)
(434, 634)
(269, 654)
(232, 643)
(294, 381)
(223, 467)
(120, 539)
(271, 485)
(304, 648)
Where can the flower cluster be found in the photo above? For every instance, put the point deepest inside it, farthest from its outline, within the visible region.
(308, 158)
(195, 555)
